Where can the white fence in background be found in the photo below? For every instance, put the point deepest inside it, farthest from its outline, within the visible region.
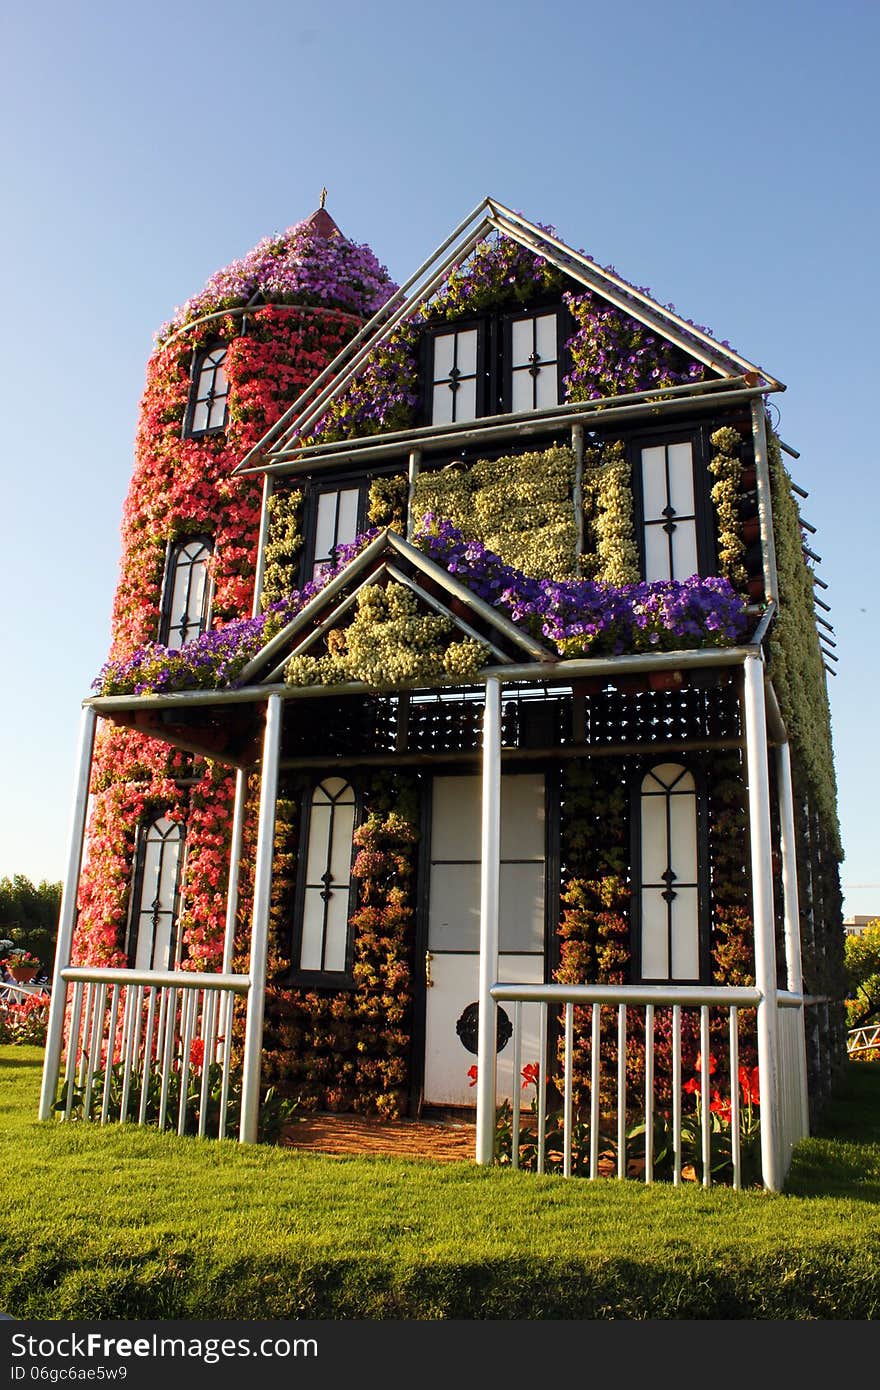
(150, 1048)
(864, 1039)
(689, 1121)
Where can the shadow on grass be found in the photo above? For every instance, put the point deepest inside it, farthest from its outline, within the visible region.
(842, 1158)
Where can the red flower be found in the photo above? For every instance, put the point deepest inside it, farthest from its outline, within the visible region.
(720, 1106)
(472, 1073)
(530, 1073)
(713, 1065)
(749, 1081)
(197, 1052)
(692, 1086)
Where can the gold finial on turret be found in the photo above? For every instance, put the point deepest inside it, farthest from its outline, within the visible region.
(323, 196)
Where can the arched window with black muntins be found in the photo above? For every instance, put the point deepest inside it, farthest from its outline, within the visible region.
(209, 393)
(152, 932)
(670, 897)
(186, 600)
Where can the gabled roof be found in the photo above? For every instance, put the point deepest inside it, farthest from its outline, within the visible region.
(488, 218)
(390, 557)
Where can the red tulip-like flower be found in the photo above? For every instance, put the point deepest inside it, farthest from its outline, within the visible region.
(530, 1073)
(720, 1106)
(472, 1073)
(750, 1084)
(197, 1052)
(713, 1065)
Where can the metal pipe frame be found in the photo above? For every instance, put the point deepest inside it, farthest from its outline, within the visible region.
(627, 297)
(761, 847)
(260, 572)
(313, 458)
(412, 477)
(253, 1040)
(682, 996)
(251, 308)
(791, 903)
(490, 855)
(234, 869)
(765, 505)
(67, 916)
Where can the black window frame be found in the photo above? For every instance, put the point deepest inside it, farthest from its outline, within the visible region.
(199, 359)
(704, 516)
(322, 979)
(484, 327)
(135, 911)
(704, 901)
(166, 617)
(312, 493)
(563, 333)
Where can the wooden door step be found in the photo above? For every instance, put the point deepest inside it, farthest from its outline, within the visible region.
(367, 1136)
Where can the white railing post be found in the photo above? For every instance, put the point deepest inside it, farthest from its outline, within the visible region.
(253, 1039)
(761, 844)
(67, 918)
(793, 962)
(489, 922)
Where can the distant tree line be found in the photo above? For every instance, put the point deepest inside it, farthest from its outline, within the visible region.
(29, 917)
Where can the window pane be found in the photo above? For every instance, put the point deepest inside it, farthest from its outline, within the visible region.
(522, 339)
(657, 564)
(467, 352)
(325, 528)
(340, 856)
(683, 823)
(337, 932)
(684, 550)
(346, 529)
(454, 912)
(313, 930)
(466, 400)
(522, 907)
(654, 494)
(441, 409)
(655, 960)
(444, 355)
(547, 387)
(681, 478)
(545, 329)
(455, 818)
(522, 817)
(654, 848)
(522, 391)
(200, 416)
(685, 935)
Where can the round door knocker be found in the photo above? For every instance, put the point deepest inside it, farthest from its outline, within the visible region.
(468, 1025)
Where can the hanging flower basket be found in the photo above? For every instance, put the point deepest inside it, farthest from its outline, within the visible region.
(23, 974)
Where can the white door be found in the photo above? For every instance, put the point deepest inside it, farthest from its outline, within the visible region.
(454, 927)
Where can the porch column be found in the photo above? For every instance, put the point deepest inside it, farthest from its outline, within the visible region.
(793, 966)
(761, 849)
(253, 1038)
(490, 876)
(67, 918)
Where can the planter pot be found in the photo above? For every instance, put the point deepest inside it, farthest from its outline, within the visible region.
(23, 974)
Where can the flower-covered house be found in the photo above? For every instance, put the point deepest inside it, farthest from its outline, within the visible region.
(465, 724)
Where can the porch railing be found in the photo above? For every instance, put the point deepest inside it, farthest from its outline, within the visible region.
(680, 1119)
(150, 1048)
(864, 1039)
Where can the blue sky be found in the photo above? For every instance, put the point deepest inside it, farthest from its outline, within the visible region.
(724, 156)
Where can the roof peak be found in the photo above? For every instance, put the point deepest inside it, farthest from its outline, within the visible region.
(322, 223)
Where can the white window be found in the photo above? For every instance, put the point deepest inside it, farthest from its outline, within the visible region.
(669, 512)
(534, 362)
(327, 886)
(336, 524)
(454, 377)
(210, 392)
(186, 603)
(152, 938)
(669, 891)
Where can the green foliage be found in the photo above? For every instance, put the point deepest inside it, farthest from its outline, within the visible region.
(283, 544)
(389, 644)
(611, 555)
(726, 468)
(29, 915)
(387, 502)
(862, 961)
(519, 506)
(127, 1223)
(795, 655)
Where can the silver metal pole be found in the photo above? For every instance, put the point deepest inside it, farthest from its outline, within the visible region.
(765, 507)
(67, 919)
(791, 901)
(489, 922)
(253, 1038)
(760, 841)
(415, 461)
(577, 444)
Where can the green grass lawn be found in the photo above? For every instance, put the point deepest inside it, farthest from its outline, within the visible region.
(129, 1223)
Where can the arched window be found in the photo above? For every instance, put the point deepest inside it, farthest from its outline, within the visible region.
(209, 393)
(325, 888)
(187, 597)
(669, 899)
(152, 941)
